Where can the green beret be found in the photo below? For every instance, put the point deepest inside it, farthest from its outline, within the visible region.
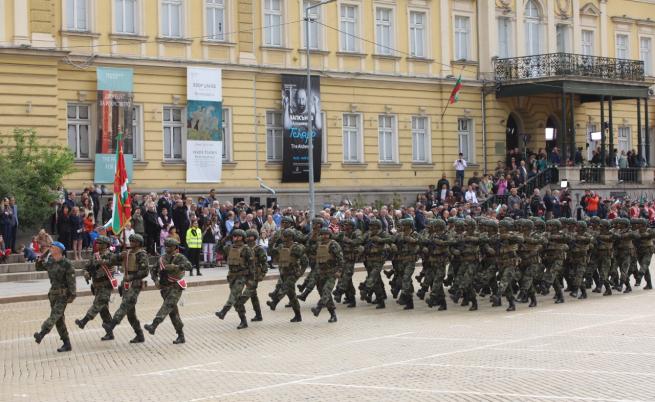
(136, 237)
(170, 242)
(252, 233)
(238, 232)
(103, 240)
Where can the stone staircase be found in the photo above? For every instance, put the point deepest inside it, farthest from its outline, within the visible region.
(18, 270)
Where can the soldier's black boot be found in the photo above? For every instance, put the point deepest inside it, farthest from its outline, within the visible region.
(109, 335)
(455, 296)
(333, 315)
(465, 300)
(388, 273)
(409, 303)
(337, 296)
(258, 314)
(301, 287)
(304, 294)
(198, 271)
(496, 301)
(151, 328)
(82, 323)
(317, 310)
(512, 306)
(139, 338)
(559, 296)
(402, 299)
(180, 338)
(244, 322)
(380, 304)
(628, 288)
(38, 336)
(109, 326)
(583, 293)
(533, 300)
(443, 306)
(608, 289)
(66, 347)
(296, 315)
(191, 272)
(421, 293)
(221, 314)
(351, 302)
(272, 303)
(474, 304)
(649, 282)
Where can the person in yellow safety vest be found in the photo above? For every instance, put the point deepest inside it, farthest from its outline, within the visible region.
(194, 246)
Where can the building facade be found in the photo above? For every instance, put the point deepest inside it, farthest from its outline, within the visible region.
(387, 69)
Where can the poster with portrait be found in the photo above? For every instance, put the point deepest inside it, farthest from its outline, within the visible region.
(115, 103)
(295, 149)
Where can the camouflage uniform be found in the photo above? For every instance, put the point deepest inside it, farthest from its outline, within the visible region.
(350, 241)
(455, 271)
(625, 252)
(292, 261)
(407, 243)
(508, 243)
(436, 254)
(311, 245)
(241, 268)
(469, 245)
(136, 268)
(645, 251)
(554, 256)
(539, 273)
(286, 223)
(592, 275)
(329, 265)
(580, 257)
(169, 274)
(604, 251)
(100, 270)
(489, 264)
(530, 261)
(62, 292)
(376, 247)
(261, 268)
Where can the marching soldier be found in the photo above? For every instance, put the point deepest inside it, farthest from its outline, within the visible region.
(241, 265)
(554, 256)
(135, 265)
(489, 263)
(310, 248)
(509, 243)
(529, 255)
(350, 240)
(170, 278)
(645, 251)
(261, 268)
(625, 251)
(376, 246)
(100, 270)
(604, 251)
(437, 254)
(407, 243)
(329, 265)
(292, 262)
(580, 258)
(276, 240)
(62, 292)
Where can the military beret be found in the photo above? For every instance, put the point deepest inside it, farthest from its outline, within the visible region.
(136, 237)
(103, 240)
(539, 223)
(238, 232)
(470, 222)
(59, 245)
(452, 220)
(252, 233)
(170, 242)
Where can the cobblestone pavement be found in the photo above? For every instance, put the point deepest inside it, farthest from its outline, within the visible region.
(600, 349)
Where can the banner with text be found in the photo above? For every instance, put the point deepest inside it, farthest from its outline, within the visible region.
(295, 148)
(115, 103)
(204, 120)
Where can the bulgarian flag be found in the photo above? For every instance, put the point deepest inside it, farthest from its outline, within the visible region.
(122, 211)
(454, 95)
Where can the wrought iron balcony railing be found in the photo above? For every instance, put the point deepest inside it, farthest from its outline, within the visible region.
(570, 65)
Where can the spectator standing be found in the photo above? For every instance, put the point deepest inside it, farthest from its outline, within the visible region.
(460, 165)
(152, 228)
(194, 246)
(554, 157)
(77, 233)
(6, 220)
(180, 218)
(64, 227)
(14, 223)
(269, 226)
(470, 195)
(592, 206)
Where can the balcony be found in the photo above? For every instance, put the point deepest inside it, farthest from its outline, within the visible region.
(554, 65)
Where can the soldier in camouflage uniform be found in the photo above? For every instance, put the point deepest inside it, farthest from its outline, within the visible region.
(261, 268)
(310, 249)
(376, 246)
(100, 270)
(569, 228)
(554, 256)
(292, 261)
(604, 251)
(580, 257)
(407, 244)
(530, 263)
(437, 254)
(456, 291)
(135, 266)
(592, 275)
(625, 252)
(489, 264)
(241, 268)
(645, 251)
(62, 292)
(276, 240)
(508, 245)
(470, 261)
(350, 241)
(169, 275)
(539, 232)
(329, 265)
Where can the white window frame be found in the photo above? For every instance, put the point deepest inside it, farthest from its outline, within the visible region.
(618, 49)
(166, 24)
(344, 39)
(384, 30)
(77, 122)
(505, 22)
(73, 25)
(563, 38)
(469, 153)
(358, 130)
(316, 15)
(174, 124)
(137, 132)
(137, 16)
(533, 30)
(426, 144)
(274, 133)
(212, 7)
(462, 37)
(586, 46)
(390, 128)
(648, 57)
(418, 33)
(271, 26)
(226, 125)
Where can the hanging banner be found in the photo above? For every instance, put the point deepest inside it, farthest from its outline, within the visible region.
(105, 168)
(204, 146)
(115, 103)
(295, 147)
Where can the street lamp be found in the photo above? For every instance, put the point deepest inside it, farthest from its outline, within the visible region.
(310, 136)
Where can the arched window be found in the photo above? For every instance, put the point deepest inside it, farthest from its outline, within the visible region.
(532, 28)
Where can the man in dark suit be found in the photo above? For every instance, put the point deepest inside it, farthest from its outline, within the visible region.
(259, 219)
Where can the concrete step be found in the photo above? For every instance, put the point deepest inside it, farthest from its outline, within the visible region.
(22, 267)
(30, 276)
(15, 258)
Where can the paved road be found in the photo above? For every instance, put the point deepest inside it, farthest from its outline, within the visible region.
(600, 349)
